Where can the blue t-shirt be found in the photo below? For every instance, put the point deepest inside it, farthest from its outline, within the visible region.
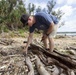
(43, 21)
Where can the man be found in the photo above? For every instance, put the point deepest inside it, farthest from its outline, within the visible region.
(42, 21)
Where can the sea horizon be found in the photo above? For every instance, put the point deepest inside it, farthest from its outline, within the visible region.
(67, 33)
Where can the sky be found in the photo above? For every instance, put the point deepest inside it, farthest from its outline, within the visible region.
(66, 6)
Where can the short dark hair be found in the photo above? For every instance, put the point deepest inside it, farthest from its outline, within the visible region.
(24, 18)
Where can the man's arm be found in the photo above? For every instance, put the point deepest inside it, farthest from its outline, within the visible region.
(51, 28)
(29, 41)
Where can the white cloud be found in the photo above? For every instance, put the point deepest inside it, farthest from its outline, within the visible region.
(42, 4)
(69, 17)
(67, 10)
(69, 26)
(70, 2)
(70, 13)
(60, 1)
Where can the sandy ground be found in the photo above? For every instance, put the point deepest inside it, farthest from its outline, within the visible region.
(61, 42)
(65, 42)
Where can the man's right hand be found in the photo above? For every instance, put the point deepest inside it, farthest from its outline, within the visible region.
(28, 43)
(23, 46)
(24, 52)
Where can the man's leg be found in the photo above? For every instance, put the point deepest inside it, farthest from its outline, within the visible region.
(51, 38)
(45, 43)
(51, 44)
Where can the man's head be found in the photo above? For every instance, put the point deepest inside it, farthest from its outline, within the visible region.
(27, 20)
(24, 19)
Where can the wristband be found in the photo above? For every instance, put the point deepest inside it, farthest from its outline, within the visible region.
(47, 34)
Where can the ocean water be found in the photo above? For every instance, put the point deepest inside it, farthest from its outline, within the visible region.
(67, 33)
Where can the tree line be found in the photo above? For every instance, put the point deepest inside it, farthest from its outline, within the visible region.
(11, 11)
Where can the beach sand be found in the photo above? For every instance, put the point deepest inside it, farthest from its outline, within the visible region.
(64, 42)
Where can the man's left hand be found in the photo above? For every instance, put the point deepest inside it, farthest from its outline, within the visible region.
(44, 37)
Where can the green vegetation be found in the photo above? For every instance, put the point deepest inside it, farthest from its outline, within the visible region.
(10, 12)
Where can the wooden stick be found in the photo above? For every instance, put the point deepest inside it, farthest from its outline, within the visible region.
(40, 67)
(29, 64)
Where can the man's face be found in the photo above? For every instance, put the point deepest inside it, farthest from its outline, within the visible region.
(30, 21)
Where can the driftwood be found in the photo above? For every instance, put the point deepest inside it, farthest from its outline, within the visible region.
(29, 64)
(58, 59)
(5, 41)
(66, 61)
(37, 57)
(74, 48)
(40, 67)
(72, 57)
(53, 62)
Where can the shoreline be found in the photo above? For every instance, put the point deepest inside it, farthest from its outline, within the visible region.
(67, 33)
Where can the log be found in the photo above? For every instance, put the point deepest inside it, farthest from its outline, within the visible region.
(29, 64)
(55, 62)
(5, 41)
(64, 60)
(72, 57)
(10, 50)
(51, 61)
(41, 56)
(74, 48)
(40, 67)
